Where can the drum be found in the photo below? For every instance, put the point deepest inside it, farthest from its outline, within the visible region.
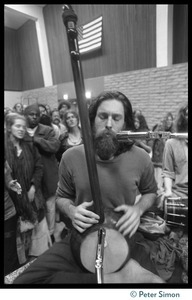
(176, 211)
(116, 247)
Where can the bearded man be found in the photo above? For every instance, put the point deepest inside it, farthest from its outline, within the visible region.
(123, 170)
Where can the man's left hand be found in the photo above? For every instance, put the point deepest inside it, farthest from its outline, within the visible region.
(130, 221)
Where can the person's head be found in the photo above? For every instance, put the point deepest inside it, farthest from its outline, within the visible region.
(18, 108)
(71, 119)
(181, 122)
(43, 109)
(7, 111)
(168, 121)
(137, 112)
(110, 113)
(45, 118)
(63, 106)
(140, 123)
(32, 114)
(48, 108)
(55, 117)
(15, 126)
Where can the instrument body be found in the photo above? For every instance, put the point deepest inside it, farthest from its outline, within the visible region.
(176, 211)
(116, 246)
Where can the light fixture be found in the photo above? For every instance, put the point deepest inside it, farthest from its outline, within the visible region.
(65, 96)
(88, 95)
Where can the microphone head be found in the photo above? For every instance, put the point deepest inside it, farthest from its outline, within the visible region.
(68, 14)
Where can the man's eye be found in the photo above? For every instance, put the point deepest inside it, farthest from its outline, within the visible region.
(116, 118)
(102, 116)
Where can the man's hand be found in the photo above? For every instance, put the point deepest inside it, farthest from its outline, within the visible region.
(130, 221)
(162, 197)
(15, 186)
(31, 193)
(81, 217)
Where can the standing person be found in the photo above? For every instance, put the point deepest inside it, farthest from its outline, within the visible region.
(45, 119)
(63, 106)
(18, 108)
(175, 161)
(73, 135)
(141, 126)
(44, 139)
(168, 122)
(158, 145)
(11, 262)
(122, 169)
(48, 108)
(57, 121)
(27, 168)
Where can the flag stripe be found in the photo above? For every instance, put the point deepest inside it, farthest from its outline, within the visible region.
(93, 22)
(98, 45)
(92, 28)
(90, 43)
(90, 38)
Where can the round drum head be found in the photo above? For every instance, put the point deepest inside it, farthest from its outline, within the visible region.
(116, 251)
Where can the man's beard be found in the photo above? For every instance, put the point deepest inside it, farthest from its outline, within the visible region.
(106, 144)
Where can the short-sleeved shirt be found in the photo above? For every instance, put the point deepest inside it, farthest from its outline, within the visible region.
(119, 178)
(175, 165)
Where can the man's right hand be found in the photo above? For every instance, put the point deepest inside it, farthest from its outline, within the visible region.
(81, 217)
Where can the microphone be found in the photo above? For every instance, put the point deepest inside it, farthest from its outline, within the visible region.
(69, 16)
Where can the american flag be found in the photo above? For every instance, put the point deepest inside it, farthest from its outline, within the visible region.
(90, 35)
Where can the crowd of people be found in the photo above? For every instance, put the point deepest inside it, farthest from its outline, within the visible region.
(46, 182)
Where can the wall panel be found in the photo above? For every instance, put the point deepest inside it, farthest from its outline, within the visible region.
(180, 33)
(128, 39)
(32, 76)
(12, 64)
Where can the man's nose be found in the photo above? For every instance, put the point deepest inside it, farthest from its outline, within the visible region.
(109, 122)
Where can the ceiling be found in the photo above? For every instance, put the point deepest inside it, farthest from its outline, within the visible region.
(14, 19)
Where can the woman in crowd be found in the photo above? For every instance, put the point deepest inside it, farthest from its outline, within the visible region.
(18, 108)
(73, 135)
(141, 126)
(27, 168)
(175, 160)
(158, 147)
(11, 261)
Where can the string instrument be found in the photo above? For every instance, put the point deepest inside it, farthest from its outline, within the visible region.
(100, 249)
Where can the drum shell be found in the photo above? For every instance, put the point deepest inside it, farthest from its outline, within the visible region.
(176, 211)
(78, 240)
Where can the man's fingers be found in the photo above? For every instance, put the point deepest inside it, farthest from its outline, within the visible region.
(84, 219)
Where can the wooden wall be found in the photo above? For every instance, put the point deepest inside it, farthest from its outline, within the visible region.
(180, 33)
(128, 39)
(12, 63)
(129, 43)
(32, 76)
(22, 59)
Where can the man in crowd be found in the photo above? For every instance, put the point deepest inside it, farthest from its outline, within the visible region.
(123, 169)
(63, 106)
(45, 140)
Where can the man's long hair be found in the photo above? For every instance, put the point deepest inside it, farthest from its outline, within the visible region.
(129, 121)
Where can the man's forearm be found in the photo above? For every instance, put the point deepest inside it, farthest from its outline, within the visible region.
(145, 202)
(64, 205)
(168, 184)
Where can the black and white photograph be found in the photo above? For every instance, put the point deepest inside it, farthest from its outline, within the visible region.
(96, 149)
